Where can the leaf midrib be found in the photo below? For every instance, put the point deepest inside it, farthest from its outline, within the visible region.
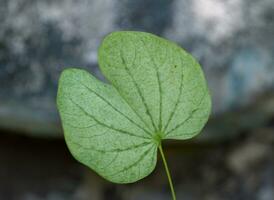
(158, 81)
(138, 88)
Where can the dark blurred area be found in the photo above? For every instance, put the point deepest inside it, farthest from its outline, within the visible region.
(232, 39)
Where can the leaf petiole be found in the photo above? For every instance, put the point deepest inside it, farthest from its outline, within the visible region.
(167, 172)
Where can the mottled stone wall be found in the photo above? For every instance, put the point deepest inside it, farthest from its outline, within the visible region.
(233, 40)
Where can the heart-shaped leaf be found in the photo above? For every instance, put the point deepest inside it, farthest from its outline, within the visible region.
(157, 91)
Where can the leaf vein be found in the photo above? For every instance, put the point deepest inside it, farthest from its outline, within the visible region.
(138, 90)
(143, 155)
(158, 81)
(117, 150)
(177, 101)
(101, 97)
(105, 125)
(189, 117)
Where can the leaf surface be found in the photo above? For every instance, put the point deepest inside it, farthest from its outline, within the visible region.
(157, 91)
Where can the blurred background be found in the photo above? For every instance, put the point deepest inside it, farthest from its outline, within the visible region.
(232, 39)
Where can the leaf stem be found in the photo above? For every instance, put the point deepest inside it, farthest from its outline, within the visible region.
(167, 172)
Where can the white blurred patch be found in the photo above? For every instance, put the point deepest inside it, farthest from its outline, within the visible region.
(214, 19)
(86, 20)
(89, 20)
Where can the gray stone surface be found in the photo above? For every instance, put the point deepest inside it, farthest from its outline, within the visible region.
(233, 40)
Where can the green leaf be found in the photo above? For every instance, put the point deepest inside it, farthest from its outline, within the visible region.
(157, 91)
